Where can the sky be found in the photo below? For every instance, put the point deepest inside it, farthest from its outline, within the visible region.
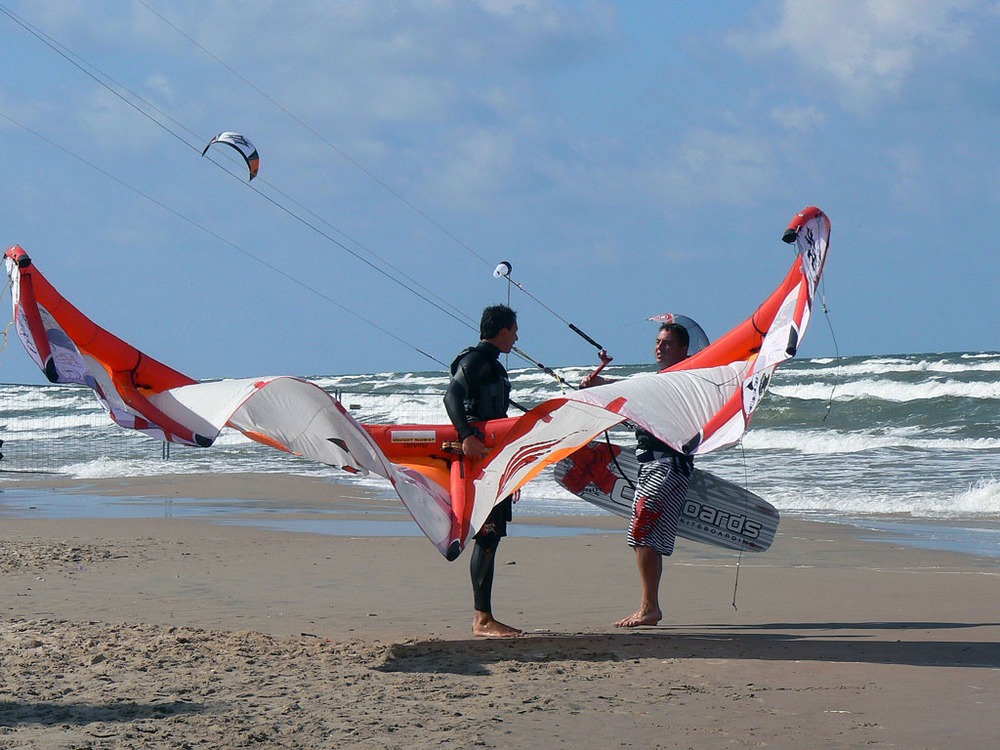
(626, 158)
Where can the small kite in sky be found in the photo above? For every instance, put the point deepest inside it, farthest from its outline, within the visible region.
(242, 144)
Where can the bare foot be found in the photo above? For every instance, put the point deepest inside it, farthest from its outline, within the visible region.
(484, 626)
(640, 617)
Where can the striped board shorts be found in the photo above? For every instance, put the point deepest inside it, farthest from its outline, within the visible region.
(659, 497)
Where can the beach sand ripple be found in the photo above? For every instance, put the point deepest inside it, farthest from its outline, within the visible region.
(44, 555)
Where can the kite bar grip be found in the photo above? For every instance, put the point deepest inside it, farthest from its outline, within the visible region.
(581, 333)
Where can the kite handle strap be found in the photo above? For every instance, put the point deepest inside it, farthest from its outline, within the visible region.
(606, 359)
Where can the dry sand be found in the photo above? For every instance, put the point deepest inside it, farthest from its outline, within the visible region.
(172, 633)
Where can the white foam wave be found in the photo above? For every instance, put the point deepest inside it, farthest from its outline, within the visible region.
(888, 390)
(982, 499)
(48, 401)
(833, 441)
(112, 468)
(888, 366)
(73, 418)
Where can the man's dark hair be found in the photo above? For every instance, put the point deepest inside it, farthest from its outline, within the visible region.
(495, 319)
(679, 331)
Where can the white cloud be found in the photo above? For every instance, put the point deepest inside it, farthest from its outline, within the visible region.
(418, 36)
(21, 112)
(477, 167)
(713, 166)
(451, 83)
(113, 124)
(867, 49)
(909, 177)
(407, 53)
(797, 118)
(161, 86)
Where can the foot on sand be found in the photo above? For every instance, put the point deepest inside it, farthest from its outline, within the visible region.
(640, 617)
(484, 626)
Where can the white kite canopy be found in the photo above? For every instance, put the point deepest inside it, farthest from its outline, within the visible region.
(699, 405)
(243, 145)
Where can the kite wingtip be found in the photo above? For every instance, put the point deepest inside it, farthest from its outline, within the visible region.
(51, 373)
(17, 254)
(800, 219)
(689, 447)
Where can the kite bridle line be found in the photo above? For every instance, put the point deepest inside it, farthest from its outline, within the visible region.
(267, 264)
(8, 284)
(164, 121)
(746, 506)
(271, 266)
(605, 359)
(146, 109)
(498, 274)
(614, 457)
(502, 271)
(836, 347)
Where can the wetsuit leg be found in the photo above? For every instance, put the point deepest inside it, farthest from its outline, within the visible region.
(481, 567)
(484, 553)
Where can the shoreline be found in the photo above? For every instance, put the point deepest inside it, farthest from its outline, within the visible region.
(309, 504)
(172, 632)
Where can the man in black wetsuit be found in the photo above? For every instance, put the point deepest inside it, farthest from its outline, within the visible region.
(480, 390)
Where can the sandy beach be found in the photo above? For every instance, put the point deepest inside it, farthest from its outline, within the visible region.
(184, 633)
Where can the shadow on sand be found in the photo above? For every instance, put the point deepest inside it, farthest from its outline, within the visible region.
(871, 643)
(14, 713)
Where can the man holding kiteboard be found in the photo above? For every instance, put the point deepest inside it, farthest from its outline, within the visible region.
(664, 476)
(479, 390)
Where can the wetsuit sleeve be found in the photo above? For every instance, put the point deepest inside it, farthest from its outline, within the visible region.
(454, 400)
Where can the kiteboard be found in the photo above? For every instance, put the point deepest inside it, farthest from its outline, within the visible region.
(715, 511)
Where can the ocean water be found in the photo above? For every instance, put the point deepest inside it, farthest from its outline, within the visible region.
(871, 439)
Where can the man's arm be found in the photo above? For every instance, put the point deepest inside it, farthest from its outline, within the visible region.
(454, 404)
(592, 380)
